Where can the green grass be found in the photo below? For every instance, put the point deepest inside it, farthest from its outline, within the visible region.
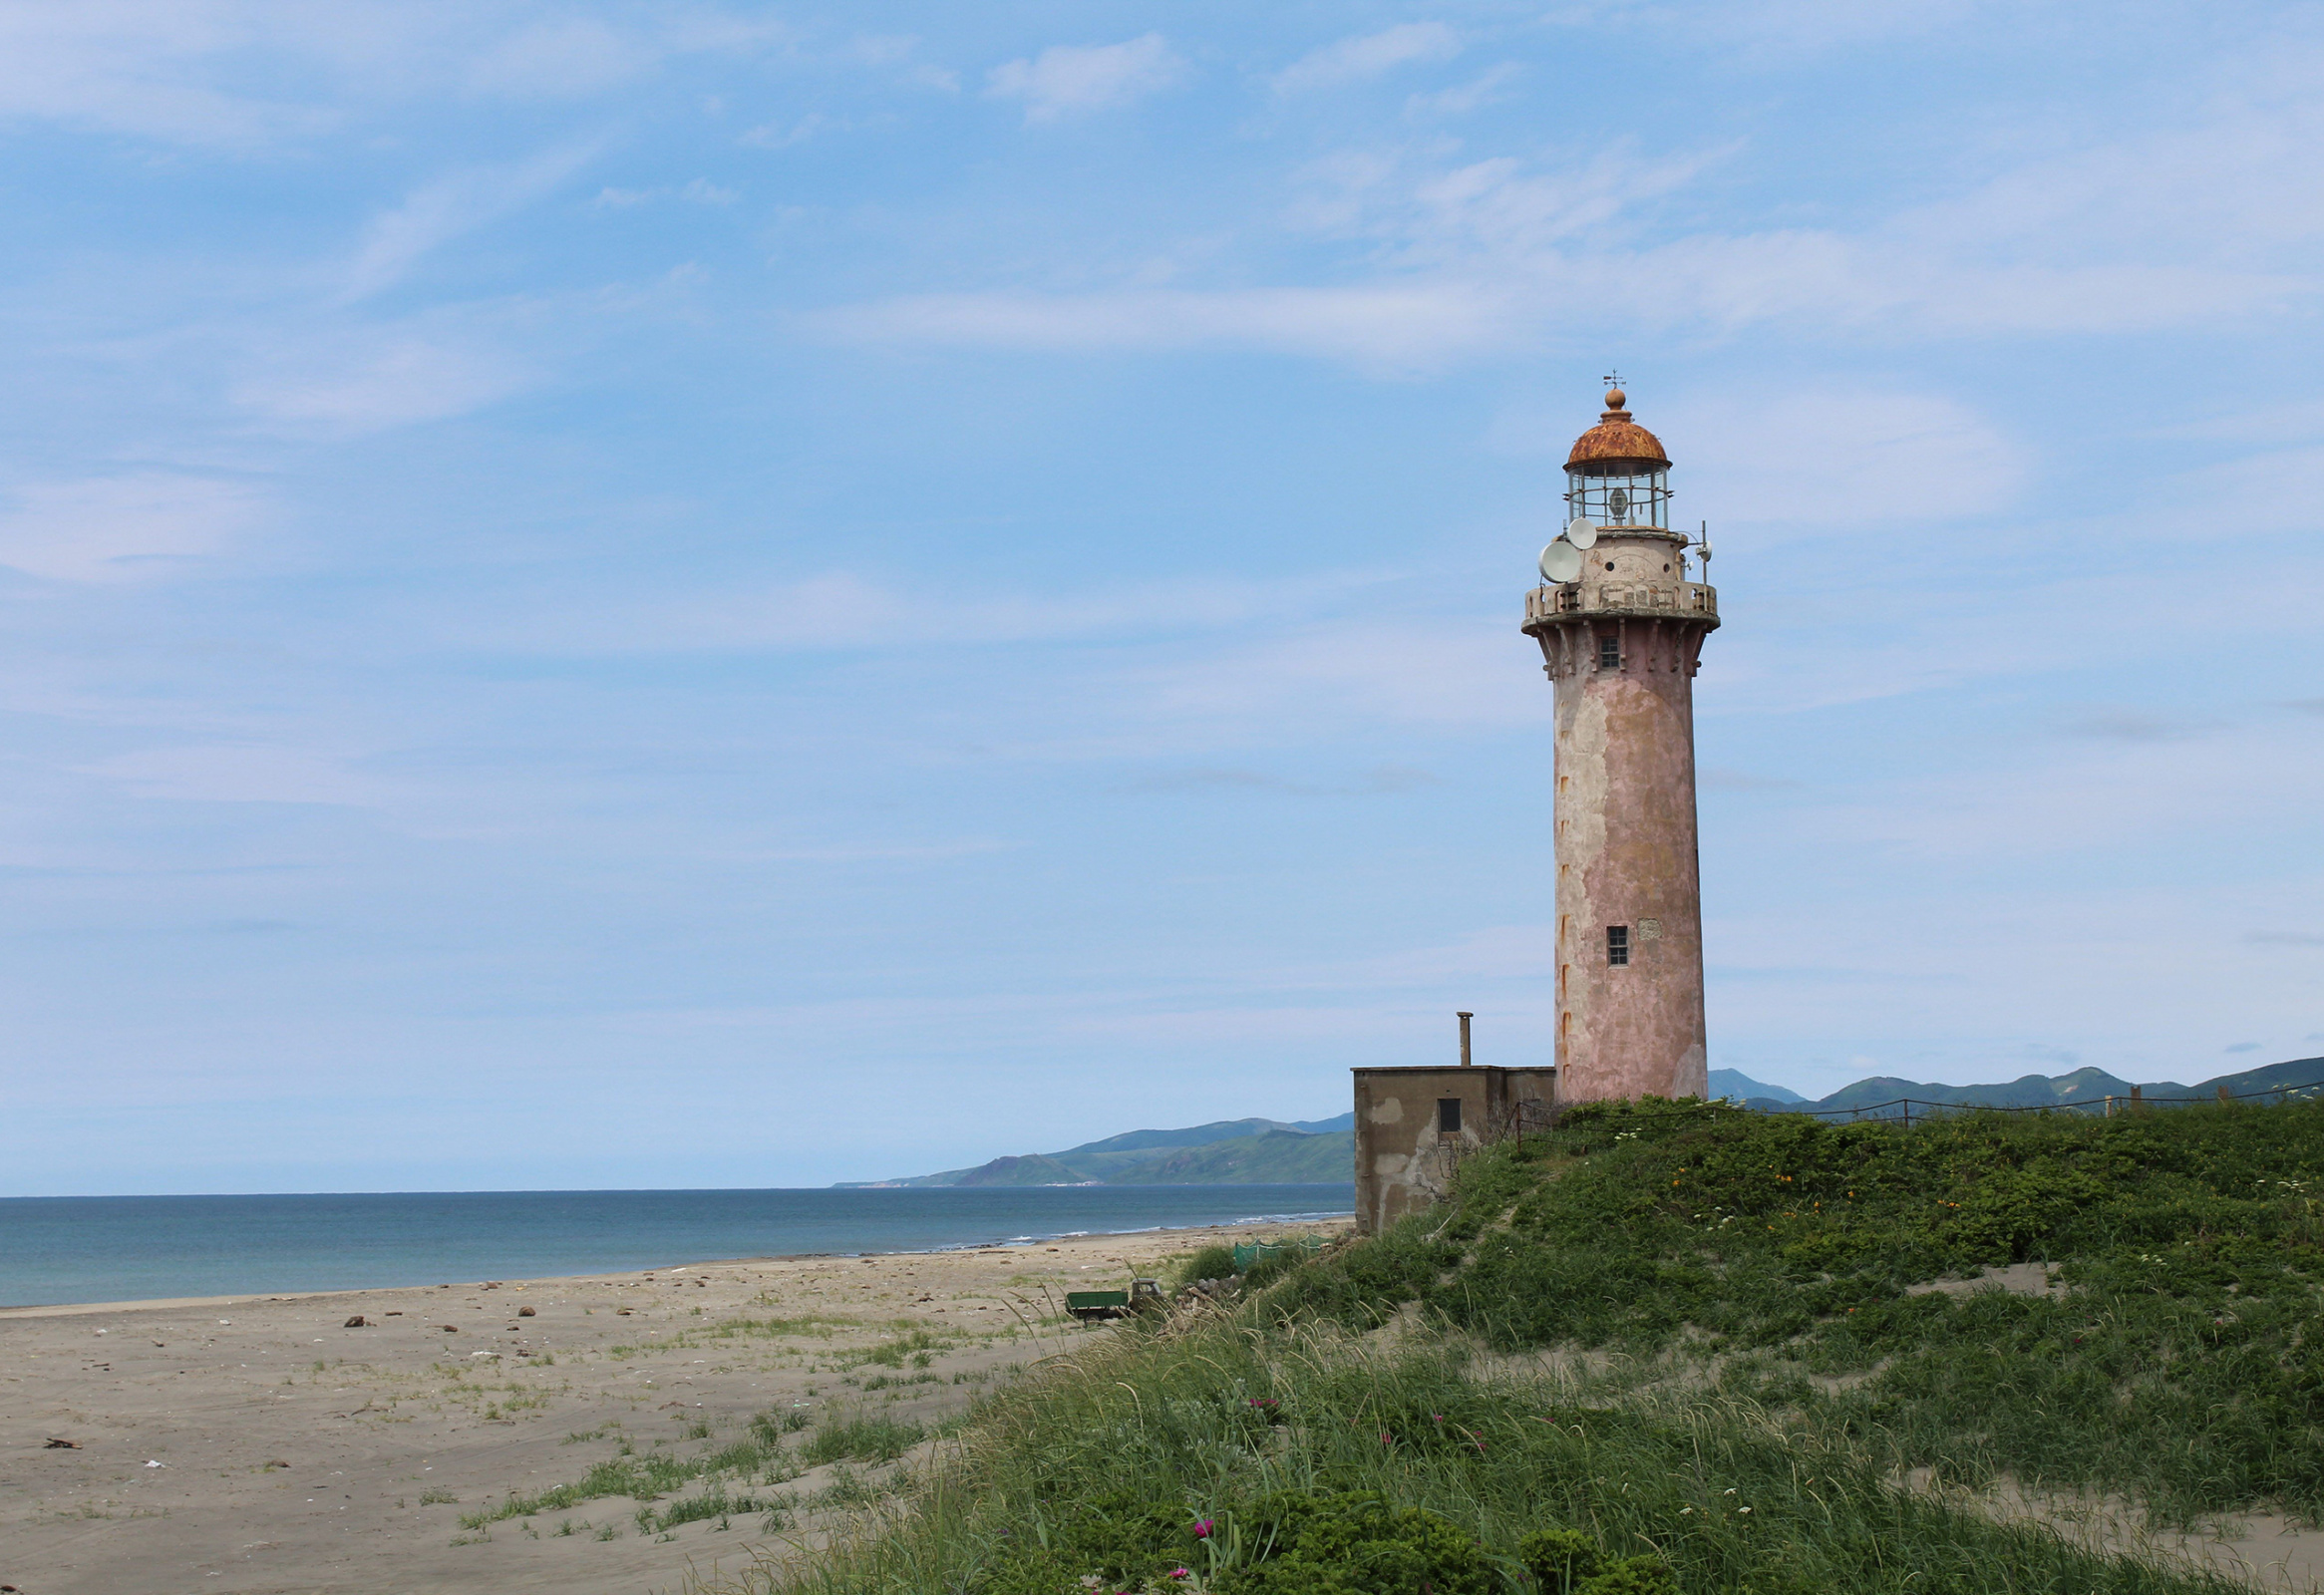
(917, 1346)
(2179, 1362)
(1103, 1467)
(1766, 1372)
(859, 1438)
(657, 1474)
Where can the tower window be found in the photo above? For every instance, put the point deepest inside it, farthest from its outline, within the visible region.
(1447, 1115)
(1617, 944)
(1609, 653)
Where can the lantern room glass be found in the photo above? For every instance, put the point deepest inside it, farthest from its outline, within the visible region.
(1618, 494)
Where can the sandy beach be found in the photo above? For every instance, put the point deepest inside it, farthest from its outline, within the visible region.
(261, 1444)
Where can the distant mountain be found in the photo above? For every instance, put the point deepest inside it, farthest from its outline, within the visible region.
(1273, 1151)
(1733, 1083)
(1033, 1170)
(2051, 1090)
(1279, 1157)
(1226, 1151)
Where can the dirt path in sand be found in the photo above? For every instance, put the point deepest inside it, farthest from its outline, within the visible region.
(296, 1454)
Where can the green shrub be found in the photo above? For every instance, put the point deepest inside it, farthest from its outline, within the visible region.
(1211, 1262)
(1353, 1543)
(861, 1438)
(1557, 1559)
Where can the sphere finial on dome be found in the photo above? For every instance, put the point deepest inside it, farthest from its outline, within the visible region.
(1616, 399)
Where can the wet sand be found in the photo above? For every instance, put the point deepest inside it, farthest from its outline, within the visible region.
(253, 1444)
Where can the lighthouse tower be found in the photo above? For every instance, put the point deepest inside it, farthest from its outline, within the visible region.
(1620, 627)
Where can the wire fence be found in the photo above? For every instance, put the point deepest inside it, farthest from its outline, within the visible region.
(2137, 1101)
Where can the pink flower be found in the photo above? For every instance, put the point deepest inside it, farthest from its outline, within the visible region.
(1202, 1529)
(1179, 1572)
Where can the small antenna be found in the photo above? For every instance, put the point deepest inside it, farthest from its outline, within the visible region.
(1703, 541)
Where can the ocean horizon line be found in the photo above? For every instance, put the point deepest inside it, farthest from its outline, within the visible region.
(60, 1250)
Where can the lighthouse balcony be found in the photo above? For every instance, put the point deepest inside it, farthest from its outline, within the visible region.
(1675, 600)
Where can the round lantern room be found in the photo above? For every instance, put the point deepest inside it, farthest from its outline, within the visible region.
(1617, 474)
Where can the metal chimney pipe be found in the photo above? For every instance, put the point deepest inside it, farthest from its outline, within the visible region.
(1464, 1018)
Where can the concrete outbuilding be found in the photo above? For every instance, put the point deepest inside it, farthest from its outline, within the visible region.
(1415, 1125)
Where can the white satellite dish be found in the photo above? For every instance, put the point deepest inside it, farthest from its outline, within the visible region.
(1560, 563)
(1581, 533)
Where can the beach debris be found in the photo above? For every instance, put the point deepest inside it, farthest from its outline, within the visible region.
(487, 1356)
(100, 1331)
(276, 1464)
(152, 1463)
(56, 1444)
(357, 1322)
(621, 1312)
(526, 1312)
(451, 1329)
(395, 1312)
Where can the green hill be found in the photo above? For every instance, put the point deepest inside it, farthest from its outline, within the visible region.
(1034, 1170)
(1741, 1353)
(1227, 1152)
(2086, 1086)
(1279, 1157)
(2172, 1354)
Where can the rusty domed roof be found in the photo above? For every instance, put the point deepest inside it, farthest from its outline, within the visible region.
(1617, 440)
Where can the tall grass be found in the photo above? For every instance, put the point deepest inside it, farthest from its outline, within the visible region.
(1769, 1361)
(1102, 1468)
(2177, 1361)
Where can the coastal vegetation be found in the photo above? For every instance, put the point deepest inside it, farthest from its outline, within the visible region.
(1688, 1348)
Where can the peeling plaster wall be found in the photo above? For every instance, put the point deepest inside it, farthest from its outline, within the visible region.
(1403, 1162)
(1625, 821)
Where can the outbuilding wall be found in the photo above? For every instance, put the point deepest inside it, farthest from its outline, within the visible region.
(1403, 1162)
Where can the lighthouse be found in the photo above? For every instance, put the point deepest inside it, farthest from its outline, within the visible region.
(1621, 626)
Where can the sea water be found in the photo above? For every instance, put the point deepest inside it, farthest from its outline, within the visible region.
(132, 1248)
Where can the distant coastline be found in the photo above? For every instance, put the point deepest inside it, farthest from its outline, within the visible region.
(1226, 1151)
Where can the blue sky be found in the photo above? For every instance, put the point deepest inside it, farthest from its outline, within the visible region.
(692, 595)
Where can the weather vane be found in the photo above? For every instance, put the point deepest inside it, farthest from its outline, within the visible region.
(1613, 379)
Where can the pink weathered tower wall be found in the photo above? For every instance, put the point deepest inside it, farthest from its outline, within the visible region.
(1621, 644)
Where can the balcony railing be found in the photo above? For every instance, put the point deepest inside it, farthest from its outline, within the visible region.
(1643, 598)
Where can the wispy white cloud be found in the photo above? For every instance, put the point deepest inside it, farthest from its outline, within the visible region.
(1064, 80)
(139, 525)
(558, 58)
(206, 72)
(437, 213)
(2207, 224)
(1366, 56)
(1881, 456)
(843, 611)
(1313, 680)
(1394, 326)
(1487, 87)
(347, 381)
(239, 775)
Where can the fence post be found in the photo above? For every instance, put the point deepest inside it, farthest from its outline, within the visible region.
(2138, 1098)
(2224, 1099)
(2109, 1104)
